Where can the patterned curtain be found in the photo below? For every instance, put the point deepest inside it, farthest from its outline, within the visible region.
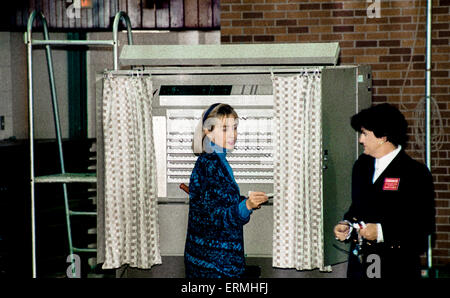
(298, 225)
(131, 229)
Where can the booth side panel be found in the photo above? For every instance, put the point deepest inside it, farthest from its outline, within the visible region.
(340, 100)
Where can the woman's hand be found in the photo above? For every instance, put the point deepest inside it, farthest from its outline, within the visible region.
(255, 199)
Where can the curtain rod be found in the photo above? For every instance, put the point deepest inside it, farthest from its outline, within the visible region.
(205, 71)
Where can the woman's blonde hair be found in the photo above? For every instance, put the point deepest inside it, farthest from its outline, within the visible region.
(215, 112)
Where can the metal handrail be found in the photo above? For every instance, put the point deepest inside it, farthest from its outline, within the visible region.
(31, 130)
(119, 16)
(48, 54)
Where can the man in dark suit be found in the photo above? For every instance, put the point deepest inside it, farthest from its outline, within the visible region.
(392, 210)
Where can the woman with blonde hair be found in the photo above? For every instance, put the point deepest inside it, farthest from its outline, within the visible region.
(217, 212)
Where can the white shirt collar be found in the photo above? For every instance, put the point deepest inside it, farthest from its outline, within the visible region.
(382, 163)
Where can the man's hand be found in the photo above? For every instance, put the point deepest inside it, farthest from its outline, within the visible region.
(255, 199)
(341, 231)
(370, 232)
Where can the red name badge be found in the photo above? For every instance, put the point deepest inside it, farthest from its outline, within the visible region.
(391, 183)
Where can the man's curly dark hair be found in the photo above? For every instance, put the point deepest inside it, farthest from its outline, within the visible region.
(384, 120)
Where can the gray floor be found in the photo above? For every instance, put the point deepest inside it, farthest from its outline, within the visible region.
(173, 267)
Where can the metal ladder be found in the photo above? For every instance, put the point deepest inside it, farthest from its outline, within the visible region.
(62, 177)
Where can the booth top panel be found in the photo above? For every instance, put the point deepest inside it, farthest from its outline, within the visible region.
(231, 54)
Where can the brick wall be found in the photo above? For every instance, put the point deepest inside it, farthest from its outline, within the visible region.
(394, 45)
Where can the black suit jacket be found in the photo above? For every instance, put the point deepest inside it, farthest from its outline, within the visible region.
(404, 208)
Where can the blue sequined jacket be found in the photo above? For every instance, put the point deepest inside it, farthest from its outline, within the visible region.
(214, 241)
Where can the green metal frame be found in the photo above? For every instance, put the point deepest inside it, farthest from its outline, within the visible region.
(62, 177)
